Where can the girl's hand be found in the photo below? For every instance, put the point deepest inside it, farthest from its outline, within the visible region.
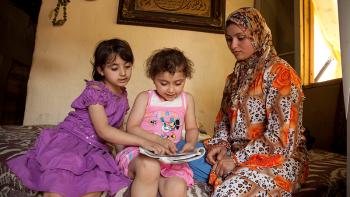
(216, 154)
(154, 147)
(188, 147)
(224, 166)
(169, 146)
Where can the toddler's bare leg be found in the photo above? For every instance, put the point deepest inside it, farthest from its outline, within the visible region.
(146, 173)
(92, 194)
(172, 187)
(50, 194)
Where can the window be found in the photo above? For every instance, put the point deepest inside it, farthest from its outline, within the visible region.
(320, 46)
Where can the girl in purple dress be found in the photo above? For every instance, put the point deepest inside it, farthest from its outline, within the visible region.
(73, 159)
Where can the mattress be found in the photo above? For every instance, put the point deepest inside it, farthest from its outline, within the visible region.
(327, 172)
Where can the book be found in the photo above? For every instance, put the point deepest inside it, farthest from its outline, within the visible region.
(176, 158)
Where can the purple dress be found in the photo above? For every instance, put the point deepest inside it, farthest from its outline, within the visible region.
(71, 159)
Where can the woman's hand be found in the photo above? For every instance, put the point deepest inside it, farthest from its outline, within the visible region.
(168, 145)
(224, 166)
(216, 154)
(188, 147)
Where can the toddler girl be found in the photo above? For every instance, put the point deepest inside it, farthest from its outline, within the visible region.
(72, 159)
(160, 115)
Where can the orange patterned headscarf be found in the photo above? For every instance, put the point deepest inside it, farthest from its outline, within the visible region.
(250, 21)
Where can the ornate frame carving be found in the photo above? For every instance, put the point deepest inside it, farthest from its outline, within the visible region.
(195, 15)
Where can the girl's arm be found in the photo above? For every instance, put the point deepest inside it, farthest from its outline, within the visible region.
(120, 147)
(134, 121)
(190, 125)
(116, 136)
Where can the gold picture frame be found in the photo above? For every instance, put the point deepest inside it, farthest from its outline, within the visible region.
(195, 15)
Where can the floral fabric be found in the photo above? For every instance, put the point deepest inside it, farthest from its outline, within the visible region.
(260, 119)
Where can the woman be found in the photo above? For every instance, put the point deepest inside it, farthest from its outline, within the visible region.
(258, 145)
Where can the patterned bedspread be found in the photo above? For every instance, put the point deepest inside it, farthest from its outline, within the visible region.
(327, 175)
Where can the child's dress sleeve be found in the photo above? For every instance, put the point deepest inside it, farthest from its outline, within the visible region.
(90, 96)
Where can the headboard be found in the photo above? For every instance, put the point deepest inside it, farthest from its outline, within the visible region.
(324, 115)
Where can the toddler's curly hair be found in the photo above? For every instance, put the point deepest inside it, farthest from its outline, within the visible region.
(168, 60)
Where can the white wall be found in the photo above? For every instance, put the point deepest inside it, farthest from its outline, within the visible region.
(344, 28)
(62, 55)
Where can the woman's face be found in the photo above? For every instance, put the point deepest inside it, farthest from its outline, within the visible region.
(238, 42)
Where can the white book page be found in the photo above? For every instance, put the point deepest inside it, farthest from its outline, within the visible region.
(177, 158)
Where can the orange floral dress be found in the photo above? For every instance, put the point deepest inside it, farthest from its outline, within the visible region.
(260, 123)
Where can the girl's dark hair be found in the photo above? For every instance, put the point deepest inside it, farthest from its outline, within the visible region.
(106, 51)
(168, 60)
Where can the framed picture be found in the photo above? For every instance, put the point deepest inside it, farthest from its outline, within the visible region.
(195, 15)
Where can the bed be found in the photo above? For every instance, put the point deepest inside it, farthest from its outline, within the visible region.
(327, 174)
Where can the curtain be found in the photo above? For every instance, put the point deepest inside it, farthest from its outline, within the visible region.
(326, 13)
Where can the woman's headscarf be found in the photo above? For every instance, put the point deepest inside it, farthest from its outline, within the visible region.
(250, 21)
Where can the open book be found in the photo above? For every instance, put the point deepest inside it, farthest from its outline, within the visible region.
(177, 158)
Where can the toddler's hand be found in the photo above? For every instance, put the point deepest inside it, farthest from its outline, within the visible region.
(169, 146)
(188, 147)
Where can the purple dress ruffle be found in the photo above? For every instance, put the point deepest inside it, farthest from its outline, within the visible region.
(71, 159)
